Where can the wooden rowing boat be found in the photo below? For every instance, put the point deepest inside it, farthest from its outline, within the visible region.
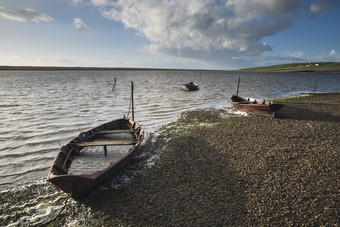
(78, 184)
(104, 135)
(254, 105)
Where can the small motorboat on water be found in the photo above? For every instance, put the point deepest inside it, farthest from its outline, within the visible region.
(191, 86)
(254, 105)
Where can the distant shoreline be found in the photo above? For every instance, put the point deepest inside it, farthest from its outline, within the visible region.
(325, 67)
(320, 67)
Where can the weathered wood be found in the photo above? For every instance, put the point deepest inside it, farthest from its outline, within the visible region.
(238, 85)
(59, 168)
(133, 110)
(106, 143)
(116, 131)
(67, 157)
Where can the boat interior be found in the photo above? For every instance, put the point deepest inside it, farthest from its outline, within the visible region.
(110, 145)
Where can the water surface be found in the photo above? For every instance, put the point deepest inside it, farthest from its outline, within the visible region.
(41, 110)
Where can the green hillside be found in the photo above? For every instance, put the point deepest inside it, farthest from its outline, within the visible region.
(329, 67)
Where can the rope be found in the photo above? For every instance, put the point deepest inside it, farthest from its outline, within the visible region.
(62, 209)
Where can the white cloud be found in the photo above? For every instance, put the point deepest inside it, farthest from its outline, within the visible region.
(328, 56)
(99, 2)
(332, 53)
(76, 2)
(79, 24)
(56, 62)
(24, 15)
(210, 30)
(298, 54)
(320, 8)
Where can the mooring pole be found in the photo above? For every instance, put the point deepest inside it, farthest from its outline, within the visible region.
(133, 111)
(114, 84)
(238, 85)
(315, 82)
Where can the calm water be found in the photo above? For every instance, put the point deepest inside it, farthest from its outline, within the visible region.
(42, 109)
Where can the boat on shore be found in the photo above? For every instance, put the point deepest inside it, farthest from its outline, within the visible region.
(78, 184)
(191, 86)
(255, 105)
(114, 133)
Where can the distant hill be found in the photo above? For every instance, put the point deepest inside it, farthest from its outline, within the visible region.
(327, 67)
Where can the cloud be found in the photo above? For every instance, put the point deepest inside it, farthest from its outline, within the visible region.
(99, 2)
(320, 8)
(76, 2)
(331, 56)
(332, 53)
(298, 54)
(56, 61)
(79, 24)
(24, 15)
(211, 30)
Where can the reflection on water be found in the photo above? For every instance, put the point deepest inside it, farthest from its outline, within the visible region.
(41, 110)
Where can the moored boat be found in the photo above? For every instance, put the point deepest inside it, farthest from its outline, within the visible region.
(254, 105)
(191, 86)
(108, 134)
(78, 184)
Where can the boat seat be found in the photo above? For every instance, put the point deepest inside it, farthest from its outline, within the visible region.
(116, 131)
(106, 143)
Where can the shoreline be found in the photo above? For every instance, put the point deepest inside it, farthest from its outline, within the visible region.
(212, 170)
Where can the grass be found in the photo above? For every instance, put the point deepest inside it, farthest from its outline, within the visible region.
(326, 67)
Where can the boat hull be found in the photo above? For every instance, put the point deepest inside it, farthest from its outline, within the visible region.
(254, 105)
(190, 87)
(78, 184)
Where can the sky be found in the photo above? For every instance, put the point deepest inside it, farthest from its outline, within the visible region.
(176, 34)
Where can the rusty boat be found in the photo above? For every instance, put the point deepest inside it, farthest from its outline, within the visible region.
(255, 105)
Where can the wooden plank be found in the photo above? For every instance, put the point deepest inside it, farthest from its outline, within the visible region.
(67, 157)
(115, 131)
(107, 143)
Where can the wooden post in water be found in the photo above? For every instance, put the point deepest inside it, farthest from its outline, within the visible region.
(238, 85)
(133, 111)
(315, 82)
(105, 150)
